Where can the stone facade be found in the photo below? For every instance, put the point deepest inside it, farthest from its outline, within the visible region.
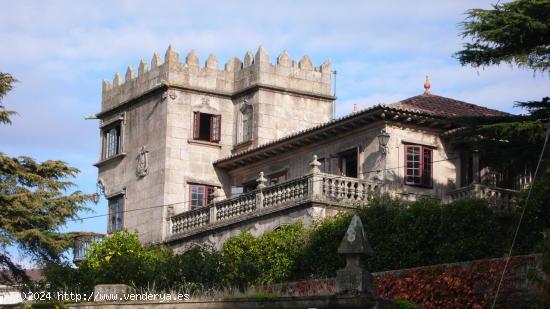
(156, 110)
(260, 119)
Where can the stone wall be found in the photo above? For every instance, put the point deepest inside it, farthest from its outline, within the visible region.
(256, 223)
(143, 125)
(320, 302)
(466, 281)
(187, 160)
(286, 75)
(446, 164)
(280, 114)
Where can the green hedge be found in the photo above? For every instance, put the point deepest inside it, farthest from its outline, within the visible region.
(402, 235)
(273, 257)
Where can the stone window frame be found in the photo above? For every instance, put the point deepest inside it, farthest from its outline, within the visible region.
(215, 127)
(105, 129)
(206, 195)
(115, 219)
(245, 135)
(424, 165)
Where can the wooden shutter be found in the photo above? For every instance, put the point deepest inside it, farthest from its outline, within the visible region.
(196, 124)
(427, 169)
(215, 128)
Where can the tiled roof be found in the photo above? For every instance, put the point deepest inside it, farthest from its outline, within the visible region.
(432, 106)
(322, 126)
(34, 274)
(444, 107)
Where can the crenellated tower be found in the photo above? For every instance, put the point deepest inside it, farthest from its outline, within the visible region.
(162, 128)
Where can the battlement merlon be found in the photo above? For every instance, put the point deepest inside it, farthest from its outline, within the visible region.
(236, 76)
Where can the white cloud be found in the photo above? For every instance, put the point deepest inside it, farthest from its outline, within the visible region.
(62, 50)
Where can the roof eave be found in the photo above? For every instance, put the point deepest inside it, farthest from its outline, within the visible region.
(317, 134)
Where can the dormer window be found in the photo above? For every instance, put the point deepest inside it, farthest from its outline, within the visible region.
(206, 127)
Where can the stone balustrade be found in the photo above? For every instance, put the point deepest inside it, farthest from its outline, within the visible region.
(292, 191)
(500, 199)
(347, 189)
(190, 219)
(314, 187)
(82, 243)
(236, 206)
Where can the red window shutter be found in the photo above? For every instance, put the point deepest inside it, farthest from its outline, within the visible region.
(215, 128)
(406, 172)
(196, 124)
(427, 168)
(219, 127)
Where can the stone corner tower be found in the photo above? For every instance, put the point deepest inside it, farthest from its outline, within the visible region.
(161, 129)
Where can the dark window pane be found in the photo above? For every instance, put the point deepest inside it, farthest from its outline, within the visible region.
(205, 127)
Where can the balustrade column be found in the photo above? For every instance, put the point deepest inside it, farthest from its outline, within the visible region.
(217, 196)
(260, 194)
(169, 227)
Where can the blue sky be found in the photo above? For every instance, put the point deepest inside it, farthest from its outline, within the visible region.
(61, 50)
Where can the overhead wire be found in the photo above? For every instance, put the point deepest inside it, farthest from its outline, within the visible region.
(183, 203)
(509, 256)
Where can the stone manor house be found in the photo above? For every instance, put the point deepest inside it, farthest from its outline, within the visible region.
(193, 153)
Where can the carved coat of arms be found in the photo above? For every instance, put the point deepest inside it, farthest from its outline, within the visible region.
(142, 162)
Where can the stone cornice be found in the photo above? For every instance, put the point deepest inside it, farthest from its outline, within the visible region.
(218, 93)
(375, 114)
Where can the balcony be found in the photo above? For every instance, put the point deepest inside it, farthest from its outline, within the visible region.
(82, 243)
(315, 187)
(501, 200)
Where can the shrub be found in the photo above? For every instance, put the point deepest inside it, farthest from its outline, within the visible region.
(320, 257)
(121, 258)
(278, 253)
(271, 257)
(536, 218)
(403, 235)
(542, 277)
(240, 260)
(199, 264)
(469, 230)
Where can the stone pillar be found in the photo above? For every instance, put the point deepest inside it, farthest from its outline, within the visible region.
(475, 166)
(315, 184)
(217, 196)
(106, 292)
(354, 279)
(314, 165)
(169, 214)
(261, 180)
